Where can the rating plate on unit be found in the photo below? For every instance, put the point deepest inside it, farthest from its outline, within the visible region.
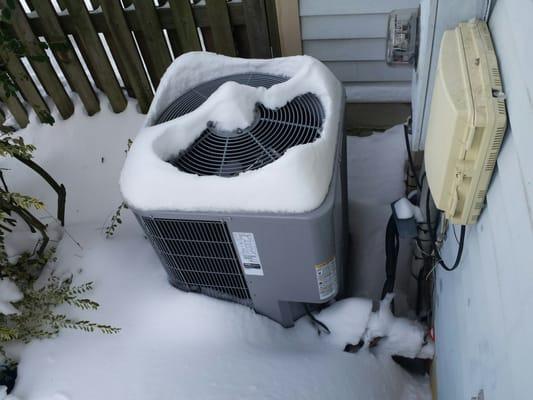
(326, 277)
(248, 253)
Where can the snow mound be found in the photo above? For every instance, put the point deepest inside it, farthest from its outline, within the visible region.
(297, 182)
(401, 336)
(9, 293)
(177, 345)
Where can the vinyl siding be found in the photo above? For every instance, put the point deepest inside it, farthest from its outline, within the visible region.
(350, 37)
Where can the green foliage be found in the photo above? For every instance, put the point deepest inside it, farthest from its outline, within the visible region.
(37, 317)
(116, 220)
(11, 145)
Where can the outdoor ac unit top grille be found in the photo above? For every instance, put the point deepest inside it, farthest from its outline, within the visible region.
(273, 132)
(199, 256)
(195, 97)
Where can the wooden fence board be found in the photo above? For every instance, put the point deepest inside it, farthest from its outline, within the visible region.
(15, 107)
(40, 62)
(257, 28)
(219, 21)
(122, 36)
(66, 57)
(273, 29)
(90, 43)
(144, 53)
(242, 44)
(25, 84)
(165, 16)
(88, 61)
(142, 38)
(154, 38)
(119, 63)
(185, 25)
(174, 42)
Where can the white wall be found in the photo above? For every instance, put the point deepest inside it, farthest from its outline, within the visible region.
(484, 309)
(349, 36)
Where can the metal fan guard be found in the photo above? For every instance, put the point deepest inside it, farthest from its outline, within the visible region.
(223, 153)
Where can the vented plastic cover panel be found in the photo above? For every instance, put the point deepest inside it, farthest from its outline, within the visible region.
(224, 153)
(199, 256)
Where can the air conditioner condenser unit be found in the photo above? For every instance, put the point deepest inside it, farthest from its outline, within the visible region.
(238, 181)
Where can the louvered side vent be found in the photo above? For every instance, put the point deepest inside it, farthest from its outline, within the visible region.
(199, 256)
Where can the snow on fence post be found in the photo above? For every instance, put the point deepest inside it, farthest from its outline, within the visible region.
(134, 33)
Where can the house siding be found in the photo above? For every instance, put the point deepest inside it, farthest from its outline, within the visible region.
(483, 309)
(349, 36)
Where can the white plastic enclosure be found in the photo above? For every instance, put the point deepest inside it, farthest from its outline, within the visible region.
(467, 122)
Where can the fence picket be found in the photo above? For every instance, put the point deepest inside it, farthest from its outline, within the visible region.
(273, 29)
(156, 47)
(19, 75)
(185, 25)
(219, 19)
(119, 63)
(174, 42)
(15, 107)
(66, 56)
(134, 33)
(121, 34)
(257, 28)
(91, 45)
(39, 61)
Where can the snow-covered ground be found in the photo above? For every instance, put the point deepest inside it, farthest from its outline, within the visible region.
(176, 345)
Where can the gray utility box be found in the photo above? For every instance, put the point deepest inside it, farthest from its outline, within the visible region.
(272, 262)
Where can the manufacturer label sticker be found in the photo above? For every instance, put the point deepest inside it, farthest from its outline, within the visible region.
(248, 253)
(326, 277)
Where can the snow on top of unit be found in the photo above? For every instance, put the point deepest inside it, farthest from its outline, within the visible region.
(238, 112)
(296, 182)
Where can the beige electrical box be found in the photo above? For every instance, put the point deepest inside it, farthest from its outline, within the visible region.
(466, 124)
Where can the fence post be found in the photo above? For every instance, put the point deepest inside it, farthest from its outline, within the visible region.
(257, 28)
(40, 62)
(156, 45)
(185, 25)
(66, 57)
(19, 75)
(94, 51)
(121, 34)
(15, 107)
(273, 28)
(217, 11)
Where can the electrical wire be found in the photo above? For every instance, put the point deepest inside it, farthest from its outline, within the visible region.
(392, 247)
(320, 326)
(434, 241)
(428, 216)
(410, 157)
